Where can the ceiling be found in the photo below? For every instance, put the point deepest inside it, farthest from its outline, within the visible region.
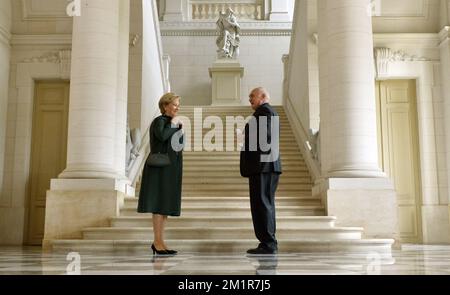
(49, 16)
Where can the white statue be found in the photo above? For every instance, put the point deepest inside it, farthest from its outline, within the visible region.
(228, 40)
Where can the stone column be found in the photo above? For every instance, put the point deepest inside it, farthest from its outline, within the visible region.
(351, 90)
(5, 36)
(279, 10)
(174, 11)
(93, 91)
(356, 189)
(445, 78)
(92, 188)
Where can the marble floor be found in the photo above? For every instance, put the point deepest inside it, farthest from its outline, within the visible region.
(411, 260)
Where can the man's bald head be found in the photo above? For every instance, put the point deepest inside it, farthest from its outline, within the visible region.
(258, 96)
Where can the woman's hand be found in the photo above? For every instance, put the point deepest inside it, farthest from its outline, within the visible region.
(176, 122)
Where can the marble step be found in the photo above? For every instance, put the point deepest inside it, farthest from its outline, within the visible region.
(224, 158)
(231, 211)
(235, 163)
(236, 174)
(236, 201)
(243, 186)
(242, 193)
(241, 180)
(303, 222)
(228, 153)
(383, 247)
(203, 233)
(235, 168)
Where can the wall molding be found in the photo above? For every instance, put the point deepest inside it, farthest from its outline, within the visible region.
(421, 40)
(56, 39)
(208, 28)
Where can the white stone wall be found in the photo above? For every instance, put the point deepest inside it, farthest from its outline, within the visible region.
(191, 56)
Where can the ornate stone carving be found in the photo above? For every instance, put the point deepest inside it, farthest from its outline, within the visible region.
(132, 146)
(62, 57)
(384, 56)
(134, 39)
(65, 57)
(51, 57)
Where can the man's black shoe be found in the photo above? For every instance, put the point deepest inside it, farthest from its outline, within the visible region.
(261, 251)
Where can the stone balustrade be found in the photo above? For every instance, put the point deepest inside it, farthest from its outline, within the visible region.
(209, 10)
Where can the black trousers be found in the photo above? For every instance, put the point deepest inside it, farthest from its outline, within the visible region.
(262, 203)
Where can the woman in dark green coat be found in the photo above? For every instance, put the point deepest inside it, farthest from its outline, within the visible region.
(161, 186)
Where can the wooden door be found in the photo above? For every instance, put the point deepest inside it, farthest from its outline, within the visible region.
(399, 151)
(48, 150)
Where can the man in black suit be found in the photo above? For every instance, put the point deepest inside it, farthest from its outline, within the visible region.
(260, 162)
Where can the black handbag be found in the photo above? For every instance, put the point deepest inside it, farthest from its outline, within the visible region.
(160, 159)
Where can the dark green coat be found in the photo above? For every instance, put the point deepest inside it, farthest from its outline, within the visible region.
(161, 187)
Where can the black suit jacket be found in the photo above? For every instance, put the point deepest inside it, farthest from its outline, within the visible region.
(251, 163)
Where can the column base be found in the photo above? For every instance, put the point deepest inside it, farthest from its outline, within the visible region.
(370, 203)
(436, 224)
(74, 204)
(68, 212)
(89, 174)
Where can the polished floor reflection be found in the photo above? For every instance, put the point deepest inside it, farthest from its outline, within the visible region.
(411, 260)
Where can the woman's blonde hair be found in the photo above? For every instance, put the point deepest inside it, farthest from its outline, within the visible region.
(165, 100)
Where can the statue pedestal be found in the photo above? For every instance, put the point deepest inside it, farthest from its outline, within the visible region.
(226, 82)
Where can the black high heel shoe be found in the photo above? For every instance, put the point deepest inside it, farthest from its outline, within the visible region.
(159, 252)
(172, 252)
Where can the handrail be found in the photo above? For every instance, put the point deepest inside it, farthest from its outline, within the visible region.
(299, 130)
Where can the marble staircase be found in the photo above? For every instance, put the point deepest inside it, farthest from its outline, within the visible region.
(216, 210)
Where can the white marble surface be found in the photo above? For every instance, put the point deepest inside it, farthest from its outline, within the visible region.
(411, 260)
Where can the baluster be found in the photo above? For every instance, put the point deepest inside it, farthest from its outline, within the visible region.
(208, 11)
(249, 11)
(214, 11)
(242, 10)
(235, 8)
(194, 11)
(200, 11)
(255, 15)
